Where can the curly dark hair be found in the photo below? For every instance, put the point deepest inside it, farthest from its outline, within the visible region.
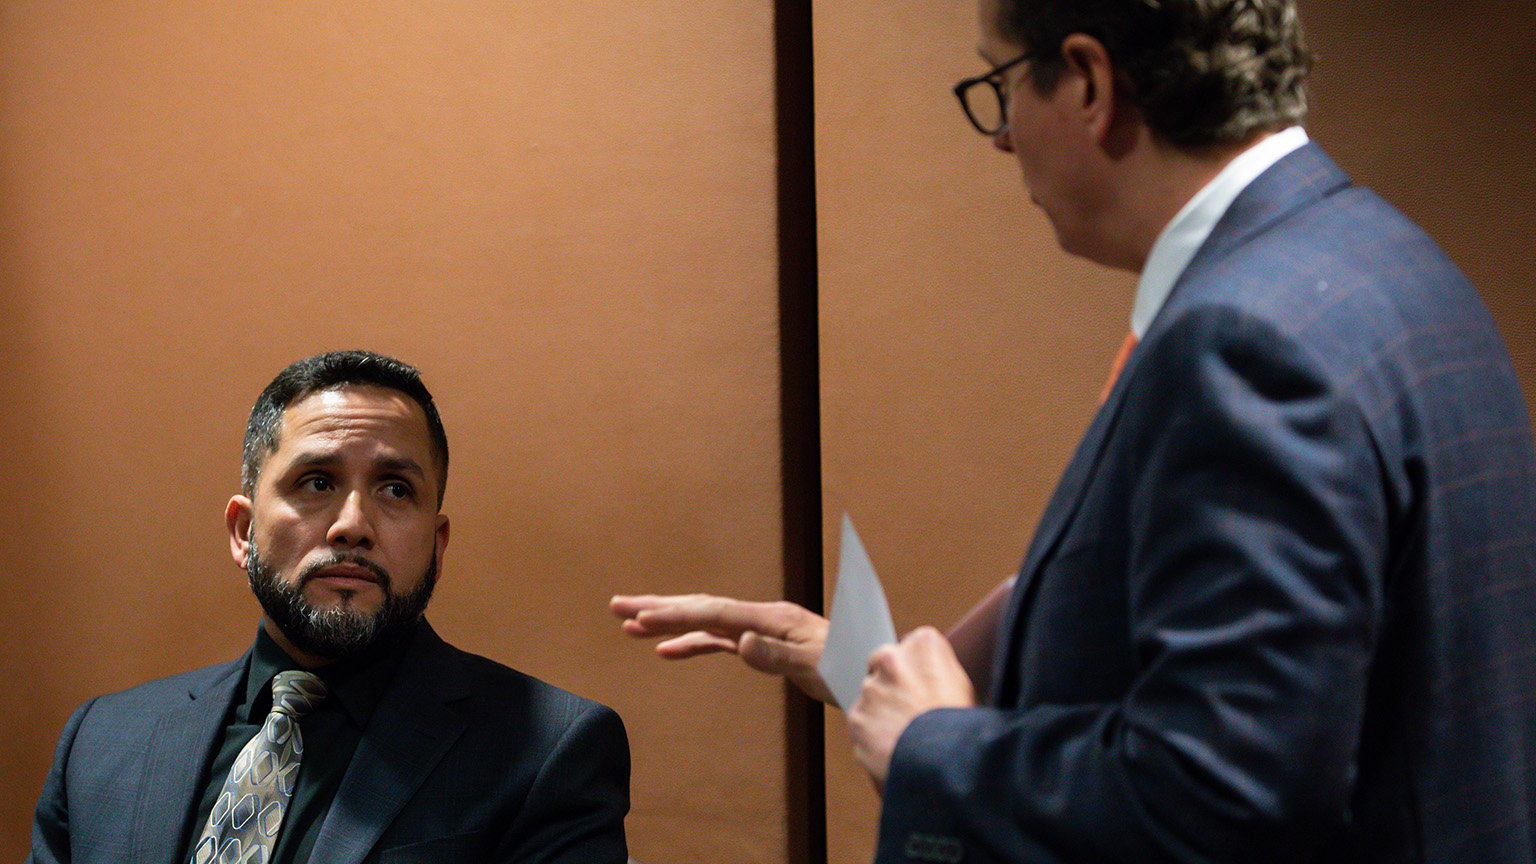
(332, 371)
(1202, 72)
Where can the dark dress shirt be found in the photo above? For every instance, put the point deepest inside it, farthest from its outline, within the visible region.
(331, 733)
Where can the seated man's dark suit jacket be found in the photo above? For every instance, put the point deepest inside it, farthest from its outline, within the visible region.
(1282, 605)
(464, 761)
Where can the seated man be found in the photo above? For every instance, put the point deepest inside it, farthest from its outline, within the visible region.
(350, 732)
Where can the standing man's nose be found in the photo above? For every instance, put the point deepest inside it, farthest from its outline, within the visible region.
(1001, 141)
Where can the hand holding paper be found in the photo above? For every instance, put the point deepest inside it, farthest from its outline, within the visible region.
(919, 674)
(905, 680)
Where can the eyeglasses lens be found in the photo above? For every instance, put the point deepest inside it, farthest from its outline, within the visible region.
(985, 105)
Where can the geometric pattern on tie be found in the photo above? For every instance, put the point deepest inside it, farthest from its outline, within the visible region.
(243, 824)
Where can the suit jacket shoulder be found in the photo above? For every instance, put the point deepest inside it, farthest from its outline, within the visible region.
(126, 769)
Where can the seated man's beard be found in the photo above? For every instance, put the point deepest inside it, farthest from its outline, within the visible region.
(343, 630)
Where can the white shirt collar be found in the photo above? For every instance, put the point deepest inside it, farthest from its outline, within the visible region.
(1188, 230)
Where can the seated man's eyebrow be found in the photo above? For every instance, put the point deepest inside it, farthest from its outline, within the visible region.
(401, 464)
(313, 458)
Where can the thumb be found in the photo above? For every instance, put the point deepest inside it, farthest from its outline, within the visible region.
(765, 653)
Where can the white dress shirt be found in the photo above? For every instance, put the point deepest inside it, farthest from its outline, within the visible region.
(1184, 234)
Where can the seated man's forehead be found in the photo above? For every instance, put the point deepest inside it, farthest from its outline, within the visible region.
(354, 408)
(331, 419)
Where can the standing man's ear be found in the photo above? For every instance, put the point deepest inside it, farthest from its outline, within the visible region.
(237, 520)
(1096, 99)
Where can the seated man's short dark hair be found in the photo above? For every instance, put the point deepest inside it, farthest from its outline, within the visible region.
(331, 371)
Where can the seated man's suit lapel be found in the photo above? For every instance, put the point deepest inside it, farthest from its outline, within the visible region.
(179, 746)
(413, 726)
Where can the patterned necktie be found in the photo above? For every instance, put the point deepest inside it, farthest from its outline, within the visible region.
(243, 824)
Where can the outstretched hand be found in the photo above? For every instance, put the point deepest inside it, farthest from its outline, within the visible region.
(779, 638)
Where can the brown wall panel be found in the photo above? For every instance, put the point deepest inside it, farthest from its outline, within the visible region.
(563, 216)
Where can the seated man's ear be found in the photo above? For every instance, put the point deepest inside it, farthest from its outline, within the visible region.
(237, 519)
(441, 541)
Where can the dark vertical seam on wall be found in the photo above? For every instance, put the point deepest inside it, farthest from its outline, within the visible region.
(799, 410)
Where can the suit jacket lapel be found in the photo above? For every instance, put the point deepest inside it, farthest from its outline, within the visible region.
(178, 751)
(411, 729)
(1302, 177)
(1053, 522)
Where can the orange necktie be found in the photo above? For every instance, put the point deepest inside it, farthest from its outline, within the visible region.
(1124, 353)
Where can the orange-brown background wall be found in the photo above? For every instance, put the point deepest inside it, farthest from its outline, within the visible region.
(562, 214)
(566, 216)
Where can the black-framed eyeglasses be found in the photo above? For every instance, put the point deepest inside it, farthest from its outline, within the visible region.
(983, 100)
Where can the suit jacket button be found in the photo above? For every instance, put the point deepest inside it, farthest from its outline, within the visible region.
(933, 847)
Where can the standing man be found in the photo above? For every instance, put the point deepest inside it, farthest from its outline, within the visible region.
(1282, 604)
(349, 732)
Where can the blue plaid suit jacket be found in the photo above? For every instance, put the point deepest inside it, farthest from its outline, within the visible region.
(465, 760)
(1282, 605)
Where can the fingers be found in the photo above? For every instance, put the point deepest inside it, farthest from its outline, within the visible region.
(630, 605)
(886, 660)
(779, 637)
(924, 666)
(653, 615)
(883, 660)
(693, 645)
(662, 615)
(905, 680)
(928, 643)
(796, 661)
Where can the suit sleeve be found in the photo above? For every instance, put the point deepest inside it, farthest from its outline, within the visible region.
(1255, 524)
(50, 823)
(575, 809)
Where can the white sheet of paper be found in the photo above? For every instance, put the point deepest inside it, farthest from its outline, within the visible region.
(860, 622)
